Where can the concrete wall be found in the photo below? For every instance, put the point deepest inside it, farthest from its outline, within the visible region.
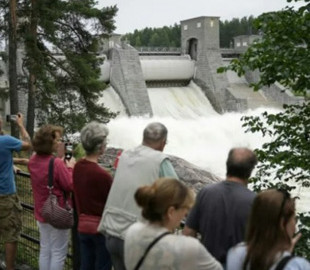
(127, 79)
(203, 34)
(276, 92)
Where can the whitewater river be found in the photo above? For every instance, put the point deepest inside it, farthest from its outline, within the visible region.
(195, 131)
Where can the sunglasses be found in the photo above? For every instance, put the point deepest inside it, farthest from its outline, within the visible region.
(286, 196)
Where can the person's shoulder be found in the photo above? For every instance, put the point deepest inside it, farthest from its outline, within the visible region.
(59, 162)
(236, 256)
(9, 138)
(212, 187)
(211, 190)
(135, 228)
(298, 263)
(186, 242)
(237, 251)
(241, 190)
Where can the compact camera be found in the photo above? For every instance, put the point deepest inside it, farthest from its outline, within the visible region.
(11, 117)
(68, 150)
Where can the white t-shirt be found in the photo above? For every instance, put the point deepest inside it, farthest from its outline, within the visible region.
(176, 252)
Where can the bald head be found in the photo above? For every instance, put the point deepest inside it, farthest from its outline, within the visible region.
(155, 135)
(240, 163)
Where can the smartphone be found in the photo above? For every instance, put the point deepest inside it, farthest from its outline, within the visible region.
(11, 117)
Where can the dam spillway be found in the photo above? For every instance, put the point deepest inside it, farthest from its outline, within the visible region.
(186, 102)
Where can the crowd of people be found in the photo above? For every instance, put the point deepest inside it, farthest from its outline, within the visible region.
(128, 221)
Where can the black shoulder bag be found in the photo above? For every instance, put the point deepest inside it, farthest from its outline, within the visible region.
(148, 249)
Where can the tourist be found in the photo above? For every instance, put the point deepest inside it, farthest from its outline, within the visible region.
(91, 185)
(53, 242)
(136, 167)
(270, 237)
(164, 204)
(10, 208)
(221, 210)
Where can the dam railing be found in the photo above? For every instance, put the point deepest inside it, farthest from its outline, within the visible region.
(158, 50)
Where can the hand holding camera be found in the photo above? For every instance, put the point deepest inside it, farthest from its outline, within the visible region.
(70, 162)
(17, 118)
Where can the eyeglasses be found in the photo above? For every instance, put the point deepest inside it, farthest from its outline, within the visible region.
(286, 196)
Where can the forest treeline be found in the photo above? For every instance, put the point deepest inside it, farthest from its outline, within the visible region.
(170, 36)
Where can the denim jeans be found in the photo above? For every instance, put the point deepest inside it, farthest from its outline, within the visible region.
(94, 254)
(116, 248)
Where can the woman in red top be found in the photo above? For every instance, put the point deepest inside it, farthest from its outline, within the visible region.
(53, 242)
(91, 188)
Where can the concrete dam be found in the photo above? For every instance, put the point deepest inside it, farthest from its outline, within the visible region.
(189, 77)
(144, 82)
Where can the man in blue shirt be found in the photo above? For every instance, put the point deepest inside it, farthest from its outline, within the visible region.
(10, 208)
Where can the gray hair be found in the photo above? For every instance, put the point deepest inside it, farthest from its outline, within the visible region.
(93, 136)
(154, 132)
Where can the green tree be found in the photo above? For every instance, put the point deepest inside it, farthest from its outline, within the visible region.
(235, 27)
(61, 63)
(283, 56)
(12, 29)
(156, 37)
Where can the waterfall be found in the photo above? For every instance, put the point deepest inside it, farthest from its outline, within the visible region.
(196, 132)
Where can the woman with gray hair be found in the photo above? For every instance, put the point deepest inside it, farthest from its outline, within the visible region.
(91, 185)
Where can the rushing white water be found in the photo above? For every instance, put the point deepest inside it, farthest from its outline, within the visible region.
(187, 102)
(196, 133)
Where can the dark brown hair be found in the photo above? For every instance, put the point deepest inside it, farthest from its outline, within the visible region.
(266, 233)
(157, 198)
(44, 139)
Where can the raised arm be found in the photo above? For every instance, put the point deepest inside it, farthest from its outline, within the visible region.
(26, 141)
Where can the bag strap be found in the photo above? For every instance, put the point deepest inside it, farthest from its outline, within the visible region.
(284, 262)
(148, 249)
(51, 178)
(51, 173)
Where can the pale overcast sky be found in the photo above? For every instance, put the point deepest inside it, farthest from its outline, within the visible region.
(138, 14)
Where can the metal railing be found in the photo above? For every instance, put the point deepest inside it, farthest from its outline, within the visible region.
(29, 244)
(158, 50)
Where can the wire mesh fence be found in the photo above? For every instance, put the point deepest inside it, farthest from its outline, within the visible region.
(29, 244)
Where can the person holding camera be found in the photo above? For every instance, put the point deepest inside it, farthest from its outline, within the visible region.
(53, 241)
(10, 208)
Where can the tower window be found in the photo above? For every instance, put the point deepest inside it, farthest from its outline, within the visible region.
(198, 24)
(185, 27)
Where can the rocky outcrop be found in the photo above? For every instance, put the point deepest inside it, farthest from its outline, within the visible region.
(192, 175)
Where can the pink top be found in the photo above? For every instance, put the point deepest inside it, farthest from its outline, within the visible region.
(38, 168)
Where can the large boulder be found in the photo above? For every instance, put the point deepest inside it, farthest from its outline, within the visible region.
(192, 175)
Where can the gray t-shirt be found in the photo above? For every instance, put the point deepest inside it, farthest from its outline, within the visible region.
(220, 215)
